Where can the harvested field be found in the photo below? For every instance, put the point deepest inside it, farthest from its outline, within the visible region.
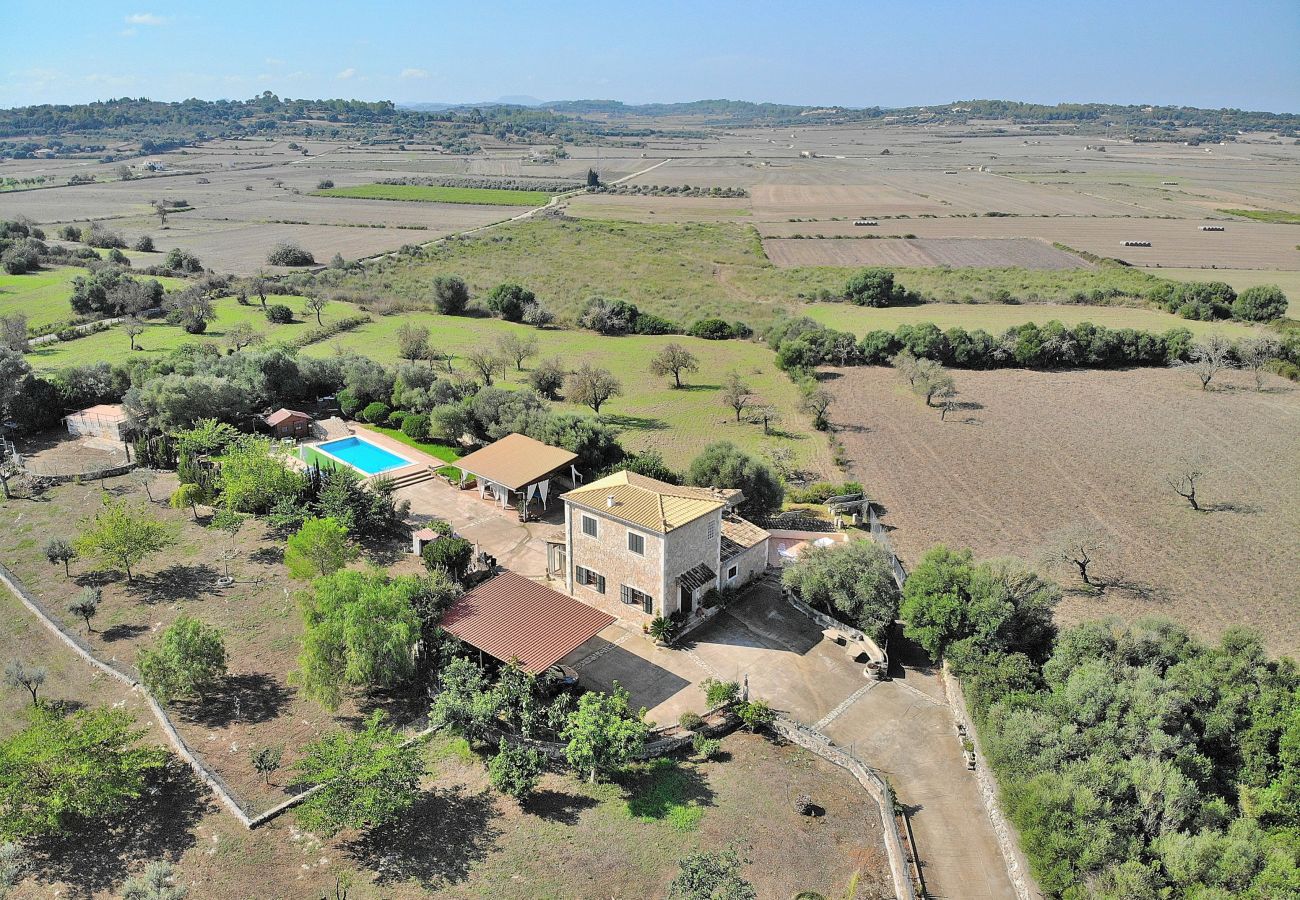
(631, 208)
(1025, 253)
(1032, 452)
(422, 193)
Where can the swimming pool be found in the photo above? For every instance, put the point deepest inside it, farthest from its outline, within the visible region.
(365, 457)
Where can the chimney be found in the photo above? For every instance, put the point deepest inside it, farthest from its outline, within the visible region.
(609, 501)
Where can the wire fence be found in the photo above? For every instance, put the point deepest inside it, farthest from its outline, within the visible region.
(881, 537)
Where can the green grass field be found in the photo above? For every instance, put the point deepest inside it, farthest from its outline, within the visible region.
(996, 319)
(43, 296)
(158, 338)
(678, 423)
(1273, 216)
(433, 194)
(687, 271)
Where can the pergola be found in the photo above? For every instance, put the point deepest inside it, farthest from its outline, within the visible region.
(517, 464)
(514, 618)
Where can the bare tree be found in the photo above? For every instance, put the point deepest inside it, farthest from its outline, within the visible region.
(316, 304)
(1184, 478)
(517, 347)
(259, 286)
(144, 477)
(160, 208)
(486, 363)
(20, 675)
(736, 393)
(1256, 353)
(674, 359)
(769, 415)
(133, 328)
(931, 379)
(782, 459)
(1078, 546)
(816, 402)
(1209, 357)
(413, 342)
(591, 386)
(241, 335)
(904, 363)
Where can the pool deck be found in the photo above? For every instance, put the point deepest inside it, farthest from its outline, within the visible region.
(421, 462)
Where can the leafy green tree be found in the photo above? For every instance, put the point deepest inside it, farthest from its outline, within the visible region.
(674, 359)
(755, 714)
(63, 769)
(448, 554)
(464, 701)
(319, 547)
(603, 733)
(190, 495)
(717, 693)
(515, 771)
(85, 605)
(954, 607)
(158, 882)
(253, 476)
(30, 678)
(188, 660)
(591, 386)
(266, 761)
(122, 535)
(450, 294)
(58, 550)
(360, 630)
(871, 287)
(711, 875)
(852, 581)
(366, 779)
(724, 465)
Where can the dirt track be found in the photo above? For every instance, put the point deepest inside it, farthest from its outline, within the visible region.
(1037, 451)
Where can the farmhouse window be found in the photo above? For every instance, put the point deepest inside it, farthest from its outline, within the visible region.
(633, 597)
(636, 543)
(589, 526)
(731, 573)
(712, 532)
(589, 578)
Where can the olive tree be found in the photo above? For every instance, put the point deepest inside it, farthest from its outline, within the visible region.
(674, 359)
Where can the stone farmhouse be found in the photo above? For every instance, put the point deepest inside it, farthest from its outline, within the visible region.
(657, 547)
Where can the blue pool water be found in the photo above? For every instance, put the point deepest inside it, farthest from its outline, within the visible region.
(363, 456)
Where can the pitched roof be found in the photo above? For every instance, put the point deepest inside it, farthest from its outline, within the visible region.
(283, 415)
(648, 502)
(697, 577)
(515, 461)
(513, 617)
(738, 535)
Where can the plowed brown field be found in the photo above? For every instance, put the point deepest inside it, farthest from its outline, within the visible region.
(984, 253)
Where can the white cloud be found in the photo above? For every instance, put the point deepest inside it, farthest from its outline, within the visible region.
(414, 73)
(127, 32)
(145, 19)
(272, 61)
(347, 73)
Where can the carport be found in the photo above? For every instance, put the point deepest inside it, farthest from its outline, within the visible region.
(513, 618)
(517, 464)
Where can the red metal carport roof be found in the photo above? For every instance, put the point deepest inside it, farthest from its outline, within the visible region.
(513, 617)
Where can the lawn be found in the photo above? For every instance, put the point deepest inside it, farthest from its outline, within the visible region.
(997, 318)
(159, 338)
(653, 415)
(434, 194)
(42, 296)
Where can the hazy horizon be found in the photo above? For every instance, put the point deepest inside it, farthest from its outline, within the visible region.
(889, 53)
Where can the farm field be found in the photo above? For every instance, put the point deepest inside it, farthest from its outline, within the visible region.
(647, 210)
(114, 346)
(1033, 452)
(1240, 279)
(651, 414)
(984, 253)
(996, 318)
(435, 194)
(42, 296)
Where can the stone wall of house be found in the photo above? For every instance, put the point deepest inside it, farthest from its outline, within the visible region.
(749, 565)
(607, 554)
(688, 546)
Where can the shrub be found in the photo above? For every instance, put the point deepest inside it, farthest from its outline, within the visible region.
(324, 184)
(144, 244)
(188, 660)
(14, 263)
(279, 314)
(1261, 303)
(179, 260)
(704, 746)
(289, 254)
(416, 425)
(195, 326)
(448, 554)
(710, 330)
(508, 301)
(395, 418)
(690, 720)
(719, 693)
(70, 233)
(450, 294)
(755, 714)
(376, 413)
(662, 629)
(515, 771)
(871, 287)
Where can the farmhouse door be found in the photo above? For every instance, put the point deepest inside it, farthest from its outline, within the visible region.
(686, 602)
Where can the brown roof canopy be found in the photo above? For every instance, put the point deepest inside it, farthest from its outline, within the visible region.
(513, 617)
(516, 461)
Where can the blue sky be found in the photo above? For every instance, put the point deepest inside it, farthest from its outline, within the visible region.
(1242, 53)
